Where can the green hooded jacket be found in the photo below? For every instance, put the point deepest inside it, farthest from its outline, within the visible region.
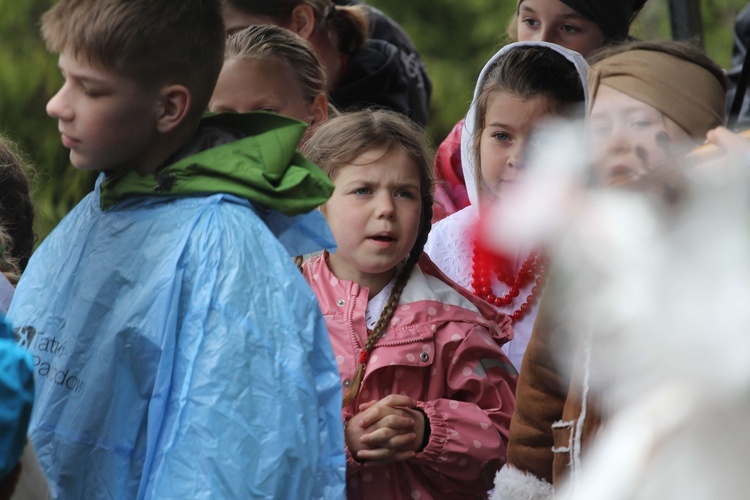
(253, 156)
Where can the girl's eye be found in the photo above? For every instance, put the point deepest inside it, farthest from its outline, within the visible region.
(568, 28)
(501, 136)
(530, 22)
(361, 191)
(600, 126)
(641, 124)
(405, 194)
(270, 110)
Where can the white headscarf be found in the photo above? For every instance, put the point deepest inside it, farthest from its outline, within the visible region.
(468, 157)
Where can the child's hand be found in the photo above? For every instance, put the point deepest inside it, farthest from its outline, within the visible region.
(728, 140)
(386, 431)
(720, 141)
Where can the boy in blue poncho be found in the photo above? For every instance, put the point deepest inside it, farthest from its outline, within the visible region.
(177, 351)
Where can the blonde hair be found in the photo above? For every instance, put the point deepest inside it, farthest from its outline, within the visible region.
(338, 143)
(16, 206)
(273, 42)
(153, 41)
(348, 26)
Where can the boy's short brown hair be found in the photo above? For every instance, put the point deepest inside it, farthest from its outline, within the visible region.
(156, 42)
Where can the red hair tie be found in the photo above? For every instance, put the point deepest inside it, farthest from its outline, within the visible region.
(363, 356)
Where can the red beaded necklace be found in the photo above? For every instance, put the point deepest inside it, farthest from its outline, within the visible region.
(484, 263)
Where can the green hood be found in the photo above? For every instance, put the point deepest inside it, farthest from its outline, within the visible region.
(263, 166)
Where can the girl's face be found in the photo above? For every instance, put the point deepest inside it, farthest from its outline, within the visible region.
(374, 215)
(553, 21)
(265, 85)
(629, 137)
(508, 125)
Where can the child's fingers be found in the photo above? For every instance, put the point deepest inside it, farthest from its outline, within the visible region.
(398, 400)
(721, 141)
(401, 420)
(386, 406)
(402, 442)
(398, 421)
(381, 437)
(367, 405)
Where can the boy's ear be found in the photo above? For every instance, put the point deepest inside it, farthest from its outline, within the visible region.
(303, 21)
(174, 104)
(319, 111)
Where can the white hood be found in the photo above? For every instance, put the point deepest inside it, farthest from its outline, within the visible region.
(468, 162)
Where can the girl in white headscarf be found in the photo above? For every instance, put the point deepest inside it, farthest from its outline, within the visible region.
(521, 86)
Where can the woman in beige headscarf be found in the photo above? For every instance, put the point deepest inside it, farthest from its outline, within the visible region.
(650, 103)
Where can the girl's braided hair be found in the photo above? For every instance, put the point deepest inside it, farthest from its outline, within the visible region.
(16, 206)
(342, 140)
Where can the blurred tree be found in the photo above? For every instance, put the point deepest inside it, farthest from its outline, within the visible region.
(455, 40)
(28, 77)
(454, 37)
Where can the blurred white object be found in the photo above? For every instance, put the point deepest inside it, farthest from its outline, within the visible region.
(665, 290)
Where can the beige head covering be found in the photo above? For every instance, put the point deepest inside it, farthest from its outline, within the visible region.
(682, 90)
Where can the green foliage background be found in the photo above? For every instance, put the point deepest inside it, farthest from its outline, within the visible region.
(455, 38)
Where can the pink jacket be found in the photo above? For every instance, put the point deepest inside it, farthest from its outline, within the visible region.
(442, 350)
(450, 187)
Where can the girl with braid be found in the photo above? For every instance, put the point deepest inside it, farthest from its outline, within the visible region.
(428, 391)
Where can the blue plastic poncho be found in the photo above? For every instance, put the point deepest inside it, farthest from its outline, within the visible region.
(178, 353)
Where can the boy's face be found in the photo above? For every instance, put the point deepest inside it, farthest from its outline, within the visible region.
(108, 121)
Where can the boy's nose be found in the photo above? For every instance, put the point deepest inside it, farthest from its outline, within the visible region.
(57, 106)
